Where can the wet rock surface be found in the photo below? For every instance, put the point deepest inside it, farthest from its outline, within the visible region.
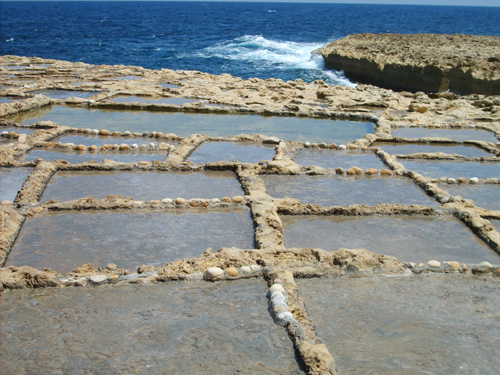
(463, 64)
(105, 150)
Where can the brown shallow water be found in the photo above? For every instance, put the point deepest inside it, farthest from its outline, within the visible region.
(425, 324)
(66, 240)
(343, 191)
(142, 185)
(174, 328)
(410, 239)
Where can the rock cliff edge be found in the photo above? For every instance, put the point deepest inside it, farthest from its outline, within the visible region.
(464, 64)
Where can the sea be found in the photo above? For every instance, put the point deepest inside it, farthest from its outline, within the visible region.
(245, 39)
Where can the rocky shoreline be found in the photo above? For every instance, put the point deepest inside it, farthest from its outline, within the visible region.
(463, 64)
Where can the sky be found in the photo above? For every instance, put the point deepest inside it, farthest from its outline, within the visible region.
(495, 3)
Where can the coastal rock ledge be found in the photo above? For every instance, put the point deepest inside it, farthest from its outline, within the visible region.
(463, 64)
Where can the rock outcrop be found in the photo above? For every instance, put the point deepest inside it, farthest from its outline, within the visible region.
(463, 64)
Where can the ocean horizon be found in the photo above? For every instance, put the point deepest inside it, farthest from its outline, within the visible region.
(245, 39)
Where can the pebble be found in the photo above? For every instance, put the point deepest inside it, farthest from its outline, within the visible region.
(323, 145)
(339, 170)
(6, 203)
(371, 171)
(474, 180)
(454, 265)
(238, 199)
(232, 271)
(226, 200)
(124, 147)
(307, 145)
(386, 172)
(195, 202)
(167, 201)
(215, 200)
(271, 140)
(277, 287)
(22, 138)
(255, 267)
(134, 146)
(333, 146)
(143, 163)
(127, 133)
(354, 171)
(483, 267)
(93, 148)
(285, 317)
(95, 132)
(105, 132)
(452, 181)
(214, 273)
(246, 269)
(98, 279)
(314, 145)
(434, 263)
(353, 147)
(342, 147)
(180, 201)
(81, 147)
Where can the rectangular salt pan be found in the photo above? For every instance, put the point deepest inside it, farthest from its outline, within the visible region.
(410, 239)
(141, 185)
(485, 196)
(152, 99)
(410, 148)
(455, 134)
(334, 159)
(452, 169)
(425, 324)
(173, 328)
(64, 241)
(210, 152)
(64, 94)
(185, 124)
(11, 181)
(343, 191)
(81, 157)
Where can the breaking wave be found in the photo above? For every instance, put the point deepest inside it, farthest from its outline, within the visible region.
(265, 55)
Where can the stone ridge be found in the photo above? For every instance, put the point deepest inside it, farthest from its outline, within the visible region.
(463, 64)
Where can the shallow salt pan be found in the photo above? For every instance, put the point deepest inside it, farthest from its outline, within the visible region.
(64, 241)
(453, 169)
(485, 196)
(343, 191)
(397, 148)
(173, 328)
(410, 239)
(334, 159)
(455, 134)
(64, 94)
(80, 157)
(425, 324)
(141, 185)
(224, 151)
(152, 99)
(11, 181)
(185, 124)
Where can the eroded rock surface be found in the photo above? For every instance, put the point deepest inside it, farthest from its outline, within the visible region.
(463, 64)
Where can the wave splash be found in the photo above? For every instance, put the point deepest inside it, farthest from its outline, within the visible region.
(264, 55)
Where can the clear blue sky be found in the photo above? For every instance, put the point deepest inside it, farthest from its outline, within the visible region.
(493, 3)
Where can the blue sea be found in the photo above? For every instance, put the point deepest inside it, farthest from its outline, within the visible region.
(245, 39)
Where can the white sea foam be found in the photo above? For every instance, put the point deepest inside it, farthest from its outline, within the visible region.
(266, 54)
